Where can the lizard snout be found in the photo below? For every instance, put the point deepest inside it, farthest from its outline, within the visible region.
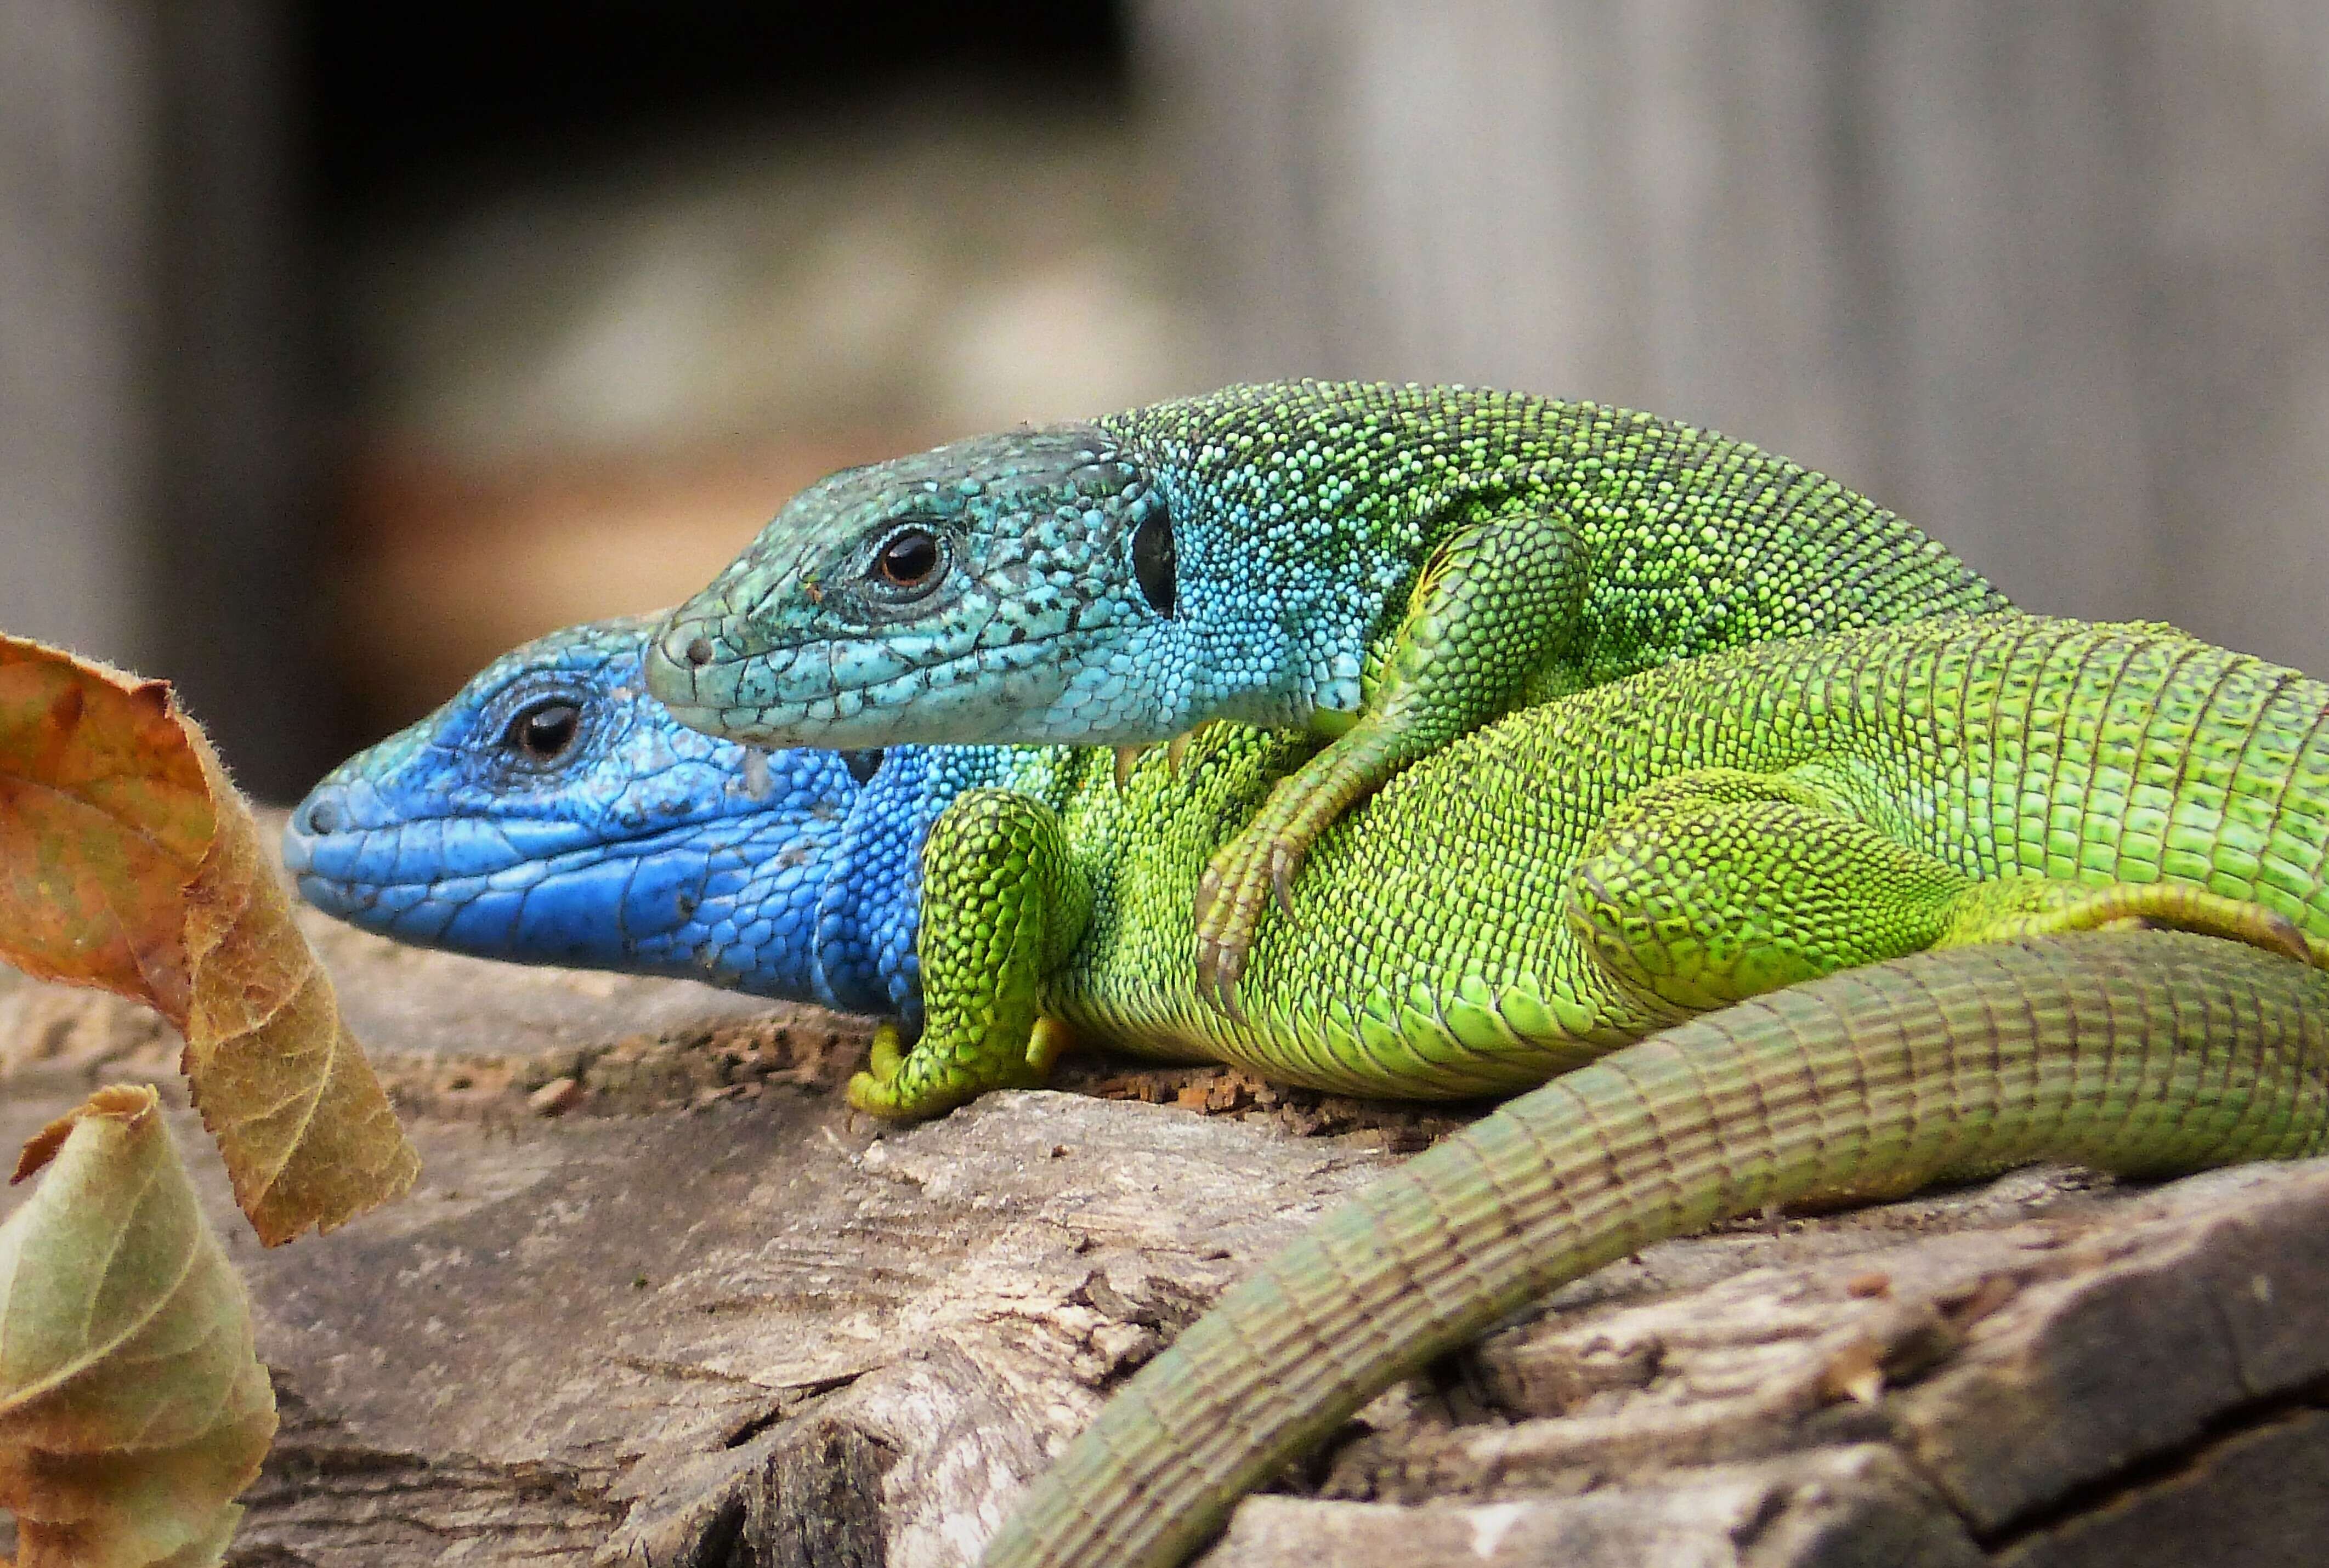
(676, 659)
(322, 814)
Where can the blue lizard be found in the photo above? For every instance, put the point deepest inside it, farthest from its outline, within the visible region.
(552, 812)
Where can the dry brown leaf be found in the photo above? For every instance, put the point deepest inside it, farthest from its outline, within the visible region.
(103, 818)
(132, 1407)
(307, 1132)
(127, 860)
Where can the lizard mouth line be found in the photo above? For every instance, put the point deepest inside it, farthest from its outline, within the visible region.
(355, 868)
(880, 711)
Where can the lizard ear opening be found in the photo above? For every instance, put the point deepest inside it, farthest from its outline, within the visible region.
(1152, 560)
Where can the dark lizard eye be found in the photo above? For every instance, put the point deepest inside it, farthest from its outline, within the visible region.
(909, 559)
(1152, 564)
(542, 733)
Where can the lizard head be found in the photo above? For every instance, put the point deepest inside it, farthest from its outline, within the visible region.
(552, 812)
(1010, 587)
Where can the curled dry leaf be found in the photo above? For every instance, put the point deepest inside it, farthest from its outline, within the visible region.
(132, 1408)
(127, 860)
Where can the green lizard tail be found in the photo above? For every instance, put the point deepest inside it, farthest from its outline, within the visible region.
(2135, 1052)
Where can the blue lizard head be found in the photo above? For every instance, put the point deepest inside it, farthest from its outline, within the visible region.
(552, 812)
(1012, 587)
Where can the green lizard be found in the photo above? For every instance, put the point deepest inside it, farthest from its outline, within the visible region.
(1583, 873)
(1387, 566)
(1587, 872)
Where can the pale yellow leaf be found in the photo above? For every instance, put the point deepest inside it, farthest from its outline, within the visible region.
(308, 1135)
(132, 1407)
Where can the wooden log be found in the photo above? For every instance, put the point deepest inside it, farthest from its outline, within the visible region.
(689, 1310)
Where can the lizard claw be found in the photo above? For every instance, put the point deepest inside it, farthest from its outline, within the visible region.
(888, 1054)
(1257, 868)
(1220, 956)
(1232, 895)
(1218, 969)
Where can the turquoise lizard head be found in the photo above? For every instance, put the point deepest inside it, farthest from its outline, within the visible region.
(1027, 574)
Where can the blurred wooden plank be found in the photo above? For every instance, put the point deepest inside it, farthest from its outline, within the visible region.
(236, 524)
(75, 84)
(154, 338)
(2234, 331)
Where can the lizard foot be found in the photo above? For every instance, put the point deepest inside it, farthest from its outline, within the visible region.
(2010, 908)
(899, 1084)
(1246, 874)
(876, 1090)
(1260, 865)
(1127, 757)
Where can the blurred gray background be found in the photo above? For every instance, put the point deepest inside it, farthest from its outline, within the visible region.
(342, 347)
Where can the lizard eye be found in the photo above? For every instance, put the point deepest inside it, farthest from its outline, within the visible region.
(542, 732)
(911, 560)
(1152, 564)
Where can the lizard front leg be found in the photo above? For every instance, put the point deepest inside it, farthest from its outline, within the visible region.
(1003, 905)
(1494, 606)
(1716, 886)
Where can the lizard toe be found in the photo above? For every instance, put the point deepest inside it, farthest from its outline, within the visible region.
(1285, 864)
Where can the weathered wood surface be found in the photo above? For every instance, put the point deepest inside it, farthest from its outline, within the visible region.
(661, 1300)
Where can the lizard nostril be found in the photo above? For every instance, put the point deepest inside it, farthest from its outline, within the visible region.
(699, 651)
(322, 817)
